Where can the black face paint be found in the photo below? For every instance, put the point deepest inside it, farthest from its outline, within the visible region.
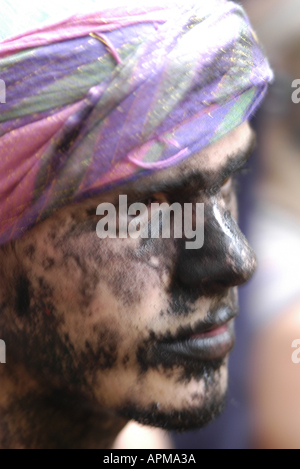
(48, 263)
(174, 420)
(226, 259)
(22, 295)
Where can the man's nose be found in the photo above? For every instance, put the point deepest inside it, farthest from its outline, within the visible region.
(226, 258)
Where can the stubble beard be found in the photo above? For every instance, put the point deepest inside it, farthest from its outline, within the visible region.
(187, 418)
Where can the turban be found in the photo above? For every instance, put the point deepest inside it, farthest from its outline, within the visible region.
(98, 98)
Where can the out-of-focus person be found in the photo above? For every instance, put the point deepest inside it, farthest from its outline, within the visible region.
(274, 302)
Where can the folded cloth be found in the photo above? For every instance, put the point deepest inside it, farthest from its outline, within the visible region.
(100, 98)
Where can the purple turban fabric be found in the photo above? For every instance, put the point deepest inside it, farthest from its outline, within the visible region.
(99, 99)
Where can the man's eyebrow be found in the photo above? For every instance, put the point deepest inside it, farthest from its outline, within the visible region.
(196, 180)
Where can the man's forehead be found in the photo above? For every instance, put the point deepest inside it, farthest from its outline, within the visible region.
(214, 162)
(204, 171)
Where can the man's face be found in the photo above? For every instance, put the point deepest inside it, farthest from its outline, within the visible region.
(143, 327)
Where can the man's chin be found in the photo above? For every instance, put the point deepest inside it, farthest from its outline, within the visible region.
(187, 419)
(191, 403)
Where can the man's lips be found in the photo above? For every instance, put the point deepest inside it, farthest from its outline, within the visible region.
(209, 340)
(210, 333)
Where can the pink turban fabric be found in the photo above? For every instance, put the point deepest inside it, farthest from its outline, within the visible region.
(102, 98)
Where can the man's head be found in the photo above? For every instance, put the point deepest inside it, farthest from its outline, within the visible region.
(141, 327)
(126, 321)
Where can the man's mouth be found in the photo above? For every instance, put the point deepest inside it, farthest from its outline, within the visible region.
(209, 340)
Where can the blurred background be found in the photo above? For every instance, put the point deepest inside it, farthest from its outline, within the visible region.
(263, 408)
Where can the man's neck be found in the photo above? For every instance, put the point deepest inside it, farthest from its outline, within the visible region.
(32, 417)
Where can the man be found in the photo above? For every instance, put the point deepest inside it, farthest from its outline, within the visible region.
(149, 102)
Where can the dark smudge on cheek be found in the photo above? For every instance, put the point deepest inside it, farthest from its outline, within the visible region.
(101, 353)
(22, 295)
(48, 263)
(32, 299)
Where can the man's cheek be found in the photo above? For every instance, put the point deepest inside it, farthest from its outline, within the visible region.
(126, 298)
